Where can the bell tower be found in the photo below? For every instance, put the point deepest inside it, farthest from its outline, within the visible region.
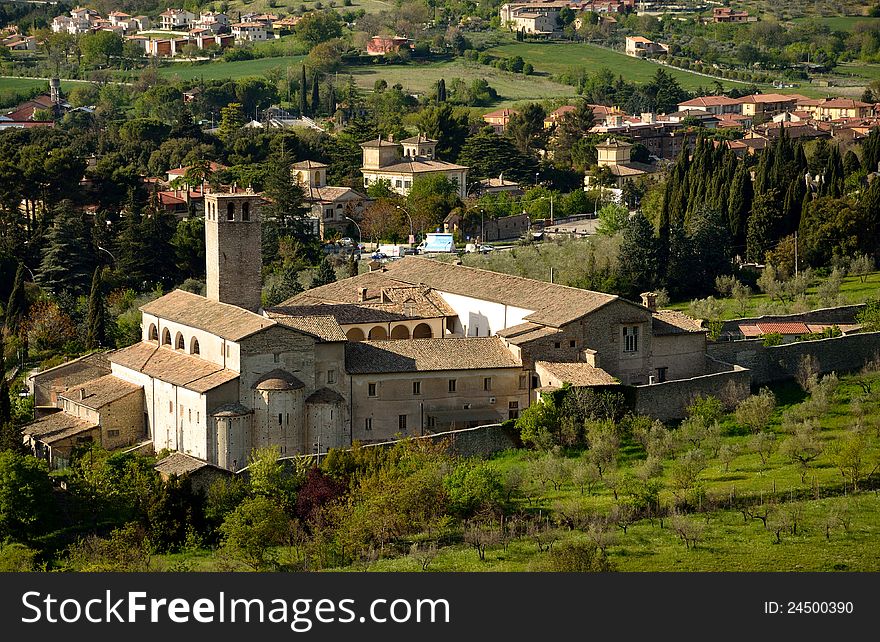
(233, 248)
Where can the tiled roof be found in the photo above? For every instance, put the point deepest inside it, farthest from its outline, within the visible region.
(552, 304)
(421, 138)
(578, 374)
(309, 164)
(421, 355)
(278, 379)
(329, 194)
(234, 409)
(783, 328)
(180, 464)
(419, 166)
(708, 101)
(325, 395)
(57, 426)
(386, 299)
(526, 332)
(75, 372)
(321, 325)
(379, 142)
(173, 367)
(673, 322)
(99, 392)
(222, 319)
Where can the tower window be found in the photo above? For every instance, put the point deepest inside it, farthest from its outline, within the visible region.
(245, 211)
(417, 387)
(368, 423)
(230, 211)
(452, 385)
(631, 338)
(331, 376)
(371, 389)
(487, 383)
(401, 422)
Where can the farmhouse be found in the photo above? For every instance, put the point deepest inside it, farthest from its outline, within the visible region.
(641, 47)
(332, 208)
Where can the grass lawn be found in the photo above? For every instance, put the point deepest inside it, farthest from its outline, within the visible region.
(229, 70)
(12, 87)
(851, 291)
(420, 78)
(558, 57)
(839, 23)
(864, 70)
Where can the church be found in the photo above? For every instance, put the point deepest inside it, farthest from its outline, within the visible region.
(414, 347)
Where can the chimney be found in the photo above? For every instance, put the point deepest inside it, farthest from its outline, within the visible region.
(82, 394)
(362, 294)
(649, 300)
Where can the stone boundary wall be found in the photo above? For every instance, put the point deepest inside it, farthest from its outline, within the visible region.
(777, 363)
(668, 400)
(840, 314)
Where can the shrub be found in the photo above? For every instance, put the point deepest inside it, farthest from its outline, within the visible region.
(579, 557)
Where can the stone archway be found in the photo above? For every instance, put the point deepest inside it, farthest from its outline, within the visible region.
(378, 333)
(355, 334)
(400, 332)
(422, 331)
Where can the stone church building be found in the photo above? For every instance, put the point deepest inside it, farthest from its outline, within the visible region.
(415, 347)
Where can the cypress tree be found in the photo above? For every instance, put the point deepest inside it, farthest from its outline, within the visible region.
(303, 108)
(5, 401)
(131, 247)
(16, 307)
(739, 205)
(638, 255)
(800, 159)
(96, 323)
(763, 225)
(316, 95)
(833, 183)
(792, 206)
(663, 231)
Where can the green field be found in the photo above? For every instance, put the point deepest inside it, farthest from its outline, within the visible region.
(865, 70)
(852, 291)
(558, 57)
(420, 78)
(839, 23)
(229, 70)
(13, 88)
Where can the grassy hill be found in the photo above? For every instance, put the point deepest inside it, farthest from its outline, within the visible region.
(230, 70)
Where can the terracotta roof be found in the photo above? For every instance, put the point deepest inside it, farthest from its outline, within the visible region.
(843, 103)
(173, 367)
(749, 330)
(766, 98)
(709, 101)
(320, 325)
(578, 374)
(180, 464)
(57, 426)
(278, 379)
(783, 328)
(325, 395)
(222, 319)
(309, 164)
(421, 165)
(329, 194)
(421, 355)
(552, 304)
(500, 113)
(673, 322)
(99, 392)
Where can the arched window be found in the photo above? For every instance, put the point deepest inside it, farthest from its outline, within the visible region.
(378, 333)
(245, 211)
(166, 337)
(355, 334)
(422, 331)
(179, 342)
(400, 332)
(318, 179)
(194, 346)
(230, 211)
(154, 333)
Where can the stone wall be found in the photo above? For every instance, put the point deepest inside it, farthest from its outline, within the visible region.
(777, 363)
(668, 401)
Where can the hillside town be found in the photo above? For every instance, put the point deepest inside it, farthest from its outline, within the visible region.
(361, 287)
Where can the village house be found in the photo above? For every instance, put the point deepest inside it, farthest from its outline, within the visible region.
(250, 31)
(400, 164)
(18, 42)
(176, 19)
(499, 119)
(716, 105)
(332, 208)
(641, 47)
(616, 156)
(728, 15)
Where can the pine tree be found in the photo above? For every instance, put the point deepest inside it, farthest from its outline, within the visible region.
(352, 266)
(325, 273)
(286, 210)
(303, 87)
(16, 307)
(639, 256)
(96, 323)
(160, 257)
(316, 95)
(131, 246)
(68, 258)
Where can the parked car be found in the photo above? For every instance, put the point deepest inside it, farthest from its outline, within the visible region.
(346, 241)
(378, 256)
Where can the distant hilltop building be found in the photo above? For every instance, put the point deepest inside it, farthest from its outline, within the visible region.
(728, 15)
(381, 45)
(641, 47)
